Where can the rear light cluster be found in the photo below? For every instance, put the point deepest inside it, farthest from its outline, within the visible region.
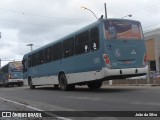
(106, 60)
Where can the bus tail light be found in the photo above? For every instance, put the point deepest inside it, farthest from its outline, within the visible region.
(106, 60)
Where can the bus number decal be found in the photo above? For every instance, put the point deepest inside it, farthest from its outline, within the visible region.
(96, 60)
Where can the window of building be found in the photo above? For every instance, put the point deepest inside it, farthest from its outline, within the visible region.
(152, 65)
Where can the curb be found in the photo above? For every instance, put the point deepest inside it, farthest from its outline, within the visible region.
(134, 85)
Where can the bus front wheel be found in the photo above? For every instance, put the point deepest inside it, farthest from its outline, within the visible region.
(31, 84)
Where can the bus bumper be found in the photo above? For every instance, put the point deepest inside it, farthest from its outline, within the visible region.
(124, 72)
(18, 82)
(15, 80)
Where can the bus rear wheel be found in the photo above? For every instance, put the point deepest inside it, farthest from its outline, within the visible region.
(63, 82)
(94, 84)
(31, 84)
(64, 86)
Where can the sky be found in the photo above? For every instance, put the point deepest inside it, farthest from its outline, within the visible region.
(40, 22)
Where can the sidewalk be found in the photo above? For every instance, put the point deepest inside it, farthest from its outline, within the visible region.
(133, 82)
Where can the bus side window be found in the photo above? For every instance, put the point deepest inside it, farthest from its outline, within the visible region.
(68, 47)
(82, 43)
(48, 54)
(57, 51)
(39, 58)
(34, 59)
(86, 48)
(94, 37)
(29, 61)
(94, 46)
(24, 63)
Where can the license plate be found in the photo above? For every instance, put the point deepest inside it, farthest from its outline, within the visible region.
(126, 62)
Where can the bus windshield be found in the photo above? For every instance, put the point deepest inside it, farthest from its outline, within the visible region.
(123, 29)
(16, 66)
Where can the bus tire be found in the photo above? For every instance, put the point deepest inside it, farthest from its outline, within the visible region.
(63, 83)
(94, 84)
(56, 85)
(31, 84)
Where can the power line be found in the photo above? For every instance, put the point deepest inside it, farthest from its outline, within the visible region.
(11, 59)
(21, 22)
(146, 11)
(37, 15)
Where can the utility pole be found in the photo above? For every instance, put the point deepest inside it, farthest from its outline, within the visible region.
(105, 8)
(148, 73)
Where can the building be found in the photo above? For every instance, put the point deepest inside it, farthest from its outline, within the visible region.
(152, 42)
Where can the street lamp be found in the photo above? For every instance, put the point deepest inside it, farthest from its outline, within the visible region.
(84, 8)
(30, 46)
(130, 15)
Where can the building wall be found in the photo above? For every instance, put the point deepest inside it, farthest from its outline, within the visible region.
(152, 41)
(150, 50)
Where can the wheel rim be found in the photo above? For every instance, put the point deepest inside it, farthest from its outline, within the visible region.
(63, 82)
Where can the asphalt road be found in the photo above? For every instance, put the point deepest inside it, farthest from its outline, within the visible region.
(108, 98)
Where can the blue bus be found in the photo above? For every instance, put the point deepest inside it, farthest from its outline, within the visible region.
(11, 74)
(104, 50)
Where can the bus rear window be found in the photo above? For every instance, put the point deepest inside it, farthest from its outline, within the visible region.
(123, 29)
(16, 66)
